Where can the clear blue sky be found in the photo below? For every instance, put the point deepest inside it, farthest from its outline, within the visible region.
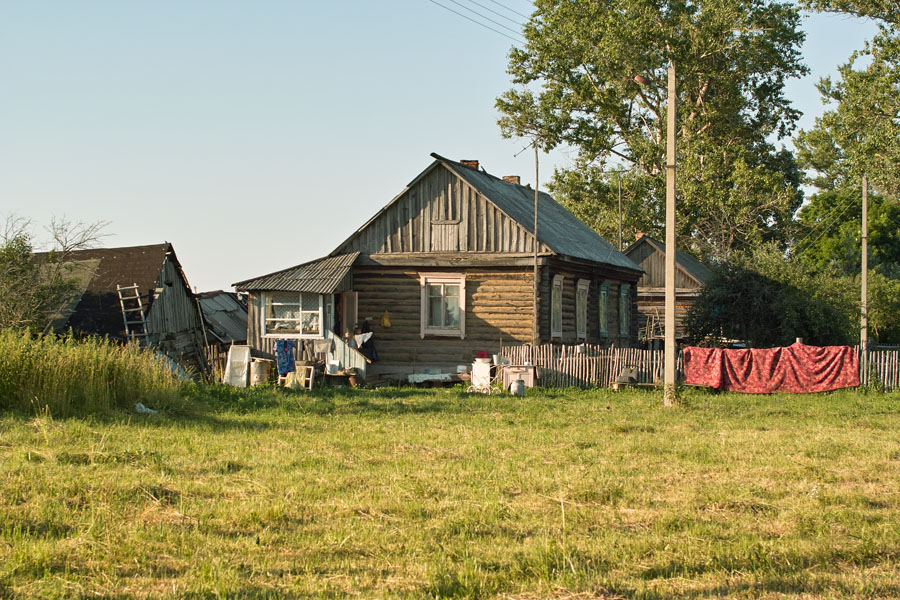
(258, 135)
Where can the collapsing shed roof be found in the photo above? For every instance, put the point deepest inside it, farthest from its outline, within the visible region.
(323, 276)
(225, 315)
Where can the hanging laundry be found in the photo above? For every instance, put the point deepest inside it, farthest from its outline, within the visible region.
(284, 356)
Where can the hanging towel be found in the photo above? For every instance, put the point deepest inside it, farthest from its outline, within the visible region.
(284, 356)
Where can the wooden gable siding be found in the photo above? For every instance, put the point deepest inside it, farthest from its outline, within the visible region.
(498, 304)
(654, 264)
(173, 320)
(441, 213)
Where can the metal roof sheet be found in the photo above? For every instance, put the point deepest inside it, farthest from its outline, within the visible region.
(323, 276)
(225, 316)
(558, 228)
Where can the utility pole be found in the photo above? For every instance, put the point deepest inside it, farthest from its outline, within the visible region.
(669, 381)
(534, 331)
(619, 184)
(864, 318)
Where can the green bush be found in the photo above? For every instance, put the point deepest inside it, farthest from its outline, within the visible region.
(66, 376)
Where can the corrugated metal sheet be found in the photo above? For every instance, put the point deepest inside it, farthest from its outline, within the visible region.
(558, 228)
(226, 317)
(323, 276)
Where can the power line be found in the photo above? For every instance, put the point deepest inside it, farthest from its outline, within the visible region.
(509, 9)
(825, 224)
(517, 40)
(497, 23)
(499, 14)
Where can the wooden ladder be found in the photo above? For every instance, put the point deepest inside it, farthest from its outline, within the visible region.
(133, 312)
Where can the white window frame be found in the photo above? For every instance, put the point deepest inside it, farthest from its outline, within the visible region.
(426, 279)
(264, 301)
(624, 309)
(556, 297)
(582, 292)
(603, 310)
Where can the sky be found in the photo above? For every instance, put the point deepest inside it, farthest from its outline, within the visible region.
(255, 136)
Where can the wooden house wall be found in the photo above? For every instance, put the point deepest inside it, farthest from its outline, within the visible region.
(571, 274)
(498, 304)
(441, 213)
(653, 302)
(173, 320)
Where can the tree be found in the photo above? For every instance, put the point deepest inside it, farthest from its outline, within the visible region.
(830, 228)
(31, 290)
(576, 87)
(861, 133)
(765, 300)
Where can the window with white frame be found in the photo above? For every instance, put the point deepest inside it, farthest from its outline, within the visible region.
(624, 309)
(603, 309)
(556, 307)
(292, 314)
(443, 304)
(581, 302)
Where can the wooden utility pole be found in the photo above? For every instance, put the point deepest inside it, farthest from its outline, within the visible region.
(864, 318)
(534, 331)
(619, 184)
(669, 381)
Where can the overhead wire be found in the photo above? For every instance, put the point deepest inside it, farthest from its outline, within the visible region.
(473, 11)
(518, 40)
(509, 9)
(499, 14)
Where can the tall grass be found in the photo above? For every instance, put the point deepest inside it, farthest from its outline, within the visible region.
(65, 376)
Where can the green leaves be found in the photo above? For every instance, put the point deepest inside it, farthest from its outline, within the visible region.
(575, 86)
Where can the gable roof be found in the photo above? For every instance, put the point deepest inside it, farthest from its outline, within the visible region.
(558, 229)
(688, 262)
(322, 276)
(97, 272)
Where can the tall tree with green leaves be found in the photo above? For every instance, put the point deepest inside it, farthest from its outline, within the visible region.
(576, 87)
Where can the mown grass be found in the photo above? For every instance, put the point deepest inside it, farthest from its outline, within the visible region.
(63, 376)
(439, 494)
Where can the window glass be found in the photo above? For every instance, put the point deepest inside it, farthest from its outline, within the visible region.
(442, 304)
(556, 307)
(292, 314)
(581, 296)
(603, 309)
(624, 309)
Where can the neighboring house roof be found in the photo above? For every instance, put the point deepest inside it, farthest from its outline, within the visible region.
(688, 263)
(97, 309)
(225, 316)
(558, 228)
(323, 276)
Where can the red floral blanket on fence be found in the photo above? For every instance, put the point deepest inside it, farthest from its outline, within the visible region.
(795, 369)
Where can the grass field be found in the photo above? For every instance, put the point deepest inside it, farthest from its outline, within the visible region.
(420, 494)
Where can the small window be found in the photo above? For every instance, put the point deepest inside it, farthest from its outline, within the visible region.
(556, 307)
(292, 314)
(443, 304)
(603, 309)
(624, 310)
(581, 302)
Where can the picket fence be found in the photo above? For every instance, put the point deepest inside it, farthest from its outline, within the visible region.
(587, 365)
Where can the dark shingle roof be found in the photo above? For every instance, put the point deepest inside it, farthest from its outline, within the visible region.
(558, 228)
(323, 276)
(98, 310)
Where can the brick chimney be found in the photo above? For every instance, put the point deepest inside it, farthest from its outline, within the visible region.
(512, 179)
(472, 164)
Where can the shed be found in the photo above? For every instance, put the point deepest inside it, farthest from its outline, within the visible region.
(170, 309)
(690, 275)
